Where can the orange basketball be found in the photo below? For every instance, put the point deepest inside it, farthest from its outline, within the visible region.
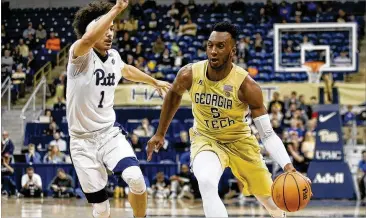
(291, 192)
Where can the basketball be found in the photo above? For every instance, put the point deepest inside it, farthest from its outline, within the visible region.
(291, 192)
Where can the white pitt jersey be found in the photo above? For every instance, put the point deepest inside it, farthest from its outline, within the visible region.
(91, 84)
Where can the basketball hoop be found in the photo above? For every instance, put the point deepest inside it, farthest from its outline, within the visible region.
(314, 70)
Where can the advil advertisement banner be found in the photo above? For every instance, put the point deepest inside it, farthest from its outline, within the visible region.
(329, 142)
(331, 180)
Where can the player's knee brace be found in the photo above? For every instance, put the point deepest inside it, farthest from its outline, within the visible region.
(135, 180)
(101, 210)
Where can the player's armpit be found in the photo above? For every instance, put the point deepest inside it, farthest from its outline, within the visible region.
(251, 93)
(183, 81)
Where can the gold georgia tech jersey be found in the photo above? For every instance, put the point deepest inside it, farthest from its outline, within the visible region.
(218, 112)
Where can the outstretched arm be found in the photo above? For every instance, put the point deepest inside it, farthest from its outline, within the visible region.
(92, 35)
(132, 73)
(172, 100)
(251, 93)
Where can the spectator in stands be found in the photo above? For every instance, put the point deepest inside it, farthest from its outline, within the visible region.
(258, 43)
(292, 100)
(158, 45)
(7, 183)
(186, 15)
(362, 175)
(305, 107)
(179, 60)
(189, 28)
(276, 113)
(135, 143)
(276, 102)
(284, 10)
(341, 17)
(300, 115)
(182, 183)
(140, 63)
(342, 59)
(136, 10)
(152, 23)
(131, 25)
(32, 63)
(174, 29)
(276, 125)
(308, 145)
(139, 52)
(7, 146)
(59, 105)
(48, 113)
(145, 129)
(263, 17)
(125, 41)
(31, 184)
(54, 156)
(18, 80)
(349, 117)
(7, 63)
(3, 31)
(22, 49)
(130, 60)
(299, 9)
(60, 143)
(29, 31)
(192, 7)
(173, 12)
(300, 162)
(216, 7)
(237, 7)
(160, 186)
(31, 42)
(184, 143)
(295, 127)
(166, 60)
(243, 48)
(32, 156)
(62, 185)
(180, 6)
(53, 43)
(289, 115)
(41, 33)
(311, 125)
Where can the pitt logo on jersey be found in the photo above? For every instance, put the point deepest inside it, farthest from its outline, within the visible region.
(102, 79)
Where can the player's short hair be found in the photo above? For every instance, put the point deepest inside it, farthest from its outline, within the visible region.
(88, 13)
(225, 26)
(30, 169)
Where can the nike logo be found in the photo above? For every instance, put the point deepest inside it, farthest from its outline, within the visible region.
(322, 118)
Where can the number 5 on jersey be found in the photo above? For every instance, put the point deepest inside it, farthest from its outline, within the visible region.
(101, 100)
(215, 112)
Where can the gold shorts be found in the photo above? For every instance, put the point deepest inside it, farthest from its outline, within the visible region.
(242, 156)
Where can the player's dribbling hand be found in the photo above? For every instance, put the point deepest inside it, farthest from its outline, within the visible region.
(162, 87)
(154, 144)
(290, 168)
(122, 3)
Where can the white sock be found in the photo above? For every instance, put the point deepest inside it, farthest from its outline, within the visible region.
(101, 210)
(207, 169)
(271, 207)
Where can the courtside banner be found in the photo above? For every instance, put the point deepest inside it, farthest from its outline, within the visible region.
(144, 95)
(329, 141)
(331, 180)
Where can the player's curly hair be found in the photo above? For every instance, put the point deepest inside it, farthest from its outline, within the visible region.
(88, 13)
(225, 26)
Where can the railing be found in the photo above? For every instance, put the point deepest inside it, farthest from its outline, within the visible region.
(41, 84)
(45, 71)
(6, 87)
(62, 55)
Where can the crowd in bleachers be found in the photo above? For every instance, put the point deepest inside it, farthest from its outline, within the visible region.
(159, 39)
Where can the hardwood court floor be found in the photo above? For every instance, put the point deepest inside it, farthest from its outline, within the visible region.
(75, 208)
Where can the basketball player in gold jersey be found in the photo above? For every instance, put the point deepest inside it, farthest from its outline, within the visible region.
(222, 93)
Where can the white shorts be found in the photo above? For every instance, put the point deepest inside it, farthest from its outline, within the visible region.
(93, 154)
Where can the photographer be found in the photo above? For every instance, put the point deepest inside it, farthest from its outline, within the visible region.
(8, 185)
(31, 184)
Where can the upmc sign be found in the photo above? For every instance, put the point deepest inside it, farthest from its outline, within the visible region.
(329, 143)
(330, 175)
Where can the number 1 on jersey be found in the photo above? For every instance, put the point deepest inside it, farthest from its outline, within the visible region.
(101, 100)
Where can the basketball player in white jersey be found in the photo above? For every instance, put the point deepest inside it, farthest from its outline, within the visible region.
(96, 142)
